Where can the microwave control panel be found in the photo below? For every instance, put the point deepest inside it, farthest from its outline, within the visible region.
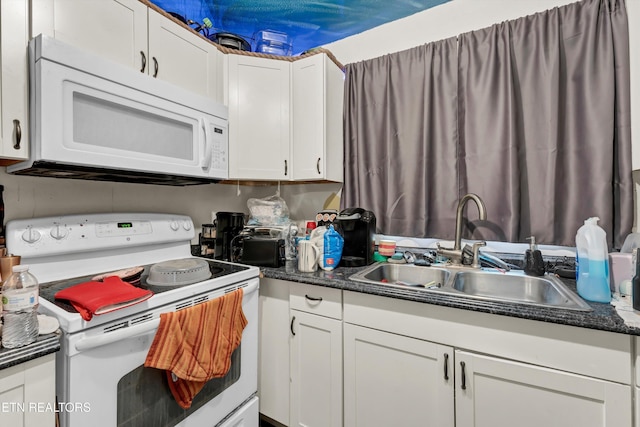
(219, 151)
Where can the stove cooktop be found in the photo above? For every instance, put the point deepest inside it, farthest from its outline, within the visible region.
(48, 290)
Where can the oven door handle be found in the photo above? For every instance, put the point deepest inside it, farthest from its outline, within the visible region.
(132, 331)
(121, 334)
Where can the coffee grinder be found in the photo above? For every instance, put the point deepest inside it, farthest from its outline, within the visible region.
(228, 226)
(358, 227)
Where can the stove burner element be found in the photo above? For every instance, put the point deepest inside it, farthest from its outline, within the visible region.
(179, 272)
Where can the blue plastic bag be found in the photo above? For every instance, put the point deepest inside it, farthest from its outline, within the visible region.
(332, 249)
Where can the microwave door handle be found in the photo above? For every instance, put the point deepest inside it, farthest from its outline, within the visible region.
(121, 334)
(208, 146)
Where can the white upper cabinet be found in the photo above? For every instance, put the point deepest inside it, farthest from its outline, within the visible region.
(285, 118)
(181, 57)
(259, 124)
(130, 33)
(14, 37)
(317, 99)
(113, 29)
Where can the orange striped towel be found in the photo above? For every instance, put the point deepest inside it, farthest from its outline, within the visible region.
(195, 344)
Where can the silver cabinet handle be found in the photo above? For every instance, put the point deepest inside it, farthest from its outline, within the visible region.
(293, 319)
(463, 380)
(446, 366)
(18, 131)
(155, 67)
(318, 166)
(144, 61)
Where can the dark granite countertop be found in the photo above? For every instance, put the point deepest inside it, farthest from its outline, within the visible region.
(45, 344)
(603, 316)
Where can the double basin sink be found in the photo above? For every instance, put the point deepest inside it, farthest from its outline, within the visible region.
(488, 285)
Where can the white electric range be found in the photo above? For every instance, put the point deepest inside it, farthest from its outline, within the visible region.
(100, 378)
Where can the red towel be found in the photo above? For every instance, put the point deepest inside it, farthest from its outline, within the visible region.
(93, 298)
(194, 345)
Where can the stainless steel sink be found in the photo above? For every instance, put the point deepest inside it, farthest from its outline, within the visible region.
(488, 285)
(403, 275)
(546, 291)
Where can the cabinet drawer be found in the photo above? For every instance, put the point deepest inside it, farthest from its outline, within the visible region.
(316, 299)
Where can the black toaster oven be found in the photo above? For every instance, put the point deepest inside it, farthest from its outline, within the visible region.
(262, 251)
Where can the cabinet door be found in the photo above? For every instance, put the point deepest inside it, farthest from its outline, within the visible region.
(14, 36)
(27, 393)
(316, 371)
(258, 100)
(492, 392)
(317, 100)
(393, 380)
(273, 365)
(179, 56)
(114, 29)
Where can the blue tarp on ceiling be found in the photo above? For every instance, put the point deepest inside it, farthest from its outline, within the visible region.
(308, 23)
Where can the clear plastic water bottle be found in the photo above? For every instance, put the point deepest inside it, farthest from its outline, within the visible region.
(20, 304)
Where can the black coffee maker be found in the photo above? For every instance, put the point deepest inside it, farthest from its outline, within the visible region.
(358, 227)
(228, 226)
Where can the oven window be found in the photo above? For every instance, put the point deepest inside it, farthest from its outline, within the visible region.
(145, 400)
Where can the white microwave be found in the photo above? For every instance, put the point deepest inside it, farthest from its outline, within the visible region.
(94, 119)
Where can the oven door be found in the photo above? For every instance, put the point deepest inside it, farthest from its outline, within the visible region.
(102, 382)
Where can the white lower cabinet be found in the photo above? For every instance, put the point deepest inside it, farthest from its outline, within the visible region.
(316, 371)
(392, 380)
(316, 356)
(507, 371)
(27, 393)
(362, 360)
(273, 365)
(493, 392)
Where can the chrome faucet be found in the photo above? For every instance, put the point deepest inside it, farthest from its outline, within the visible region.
(455, 254)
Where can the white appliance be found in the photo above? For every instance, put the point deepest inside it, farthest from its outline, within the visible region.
(95, 119)
(100, 378)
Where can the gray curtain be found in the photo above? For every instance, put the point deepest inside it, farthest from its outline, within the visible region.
(545, 123)
(542, 136)
(400, 138)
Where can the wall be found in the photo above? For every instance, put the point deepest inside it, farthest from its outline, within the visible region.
(460, 16)
(27, 197)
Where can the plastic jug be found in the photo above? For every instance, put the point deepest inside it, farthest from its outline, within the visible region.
(592, 273)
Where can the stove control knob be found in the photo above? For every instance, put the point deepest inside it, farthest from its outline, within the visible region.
(59, 232)
(174, 225)
(187, 225)
(31, 235)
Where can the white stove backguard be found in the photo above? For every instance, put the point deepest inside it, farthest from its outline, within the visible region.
(75, 245)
